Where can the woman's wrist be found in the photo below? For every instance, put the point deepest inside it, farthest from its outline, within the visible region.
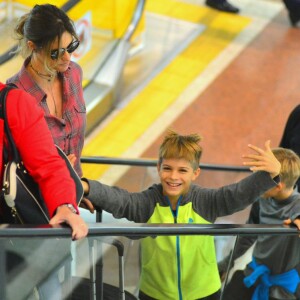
(70, 207)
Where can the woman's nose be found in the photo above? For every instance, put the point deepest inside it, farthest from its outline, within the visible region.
(66, 55)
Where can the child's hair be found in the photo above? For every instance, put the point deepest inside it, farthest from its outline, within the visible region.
(181, 146)
(290, 166)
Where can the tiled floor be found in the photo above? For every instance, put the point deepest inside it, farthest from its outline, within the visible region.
(243, 85)
(250, 100)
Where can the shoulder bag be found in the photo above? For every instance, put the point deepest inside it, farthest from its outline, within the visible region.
(21, 193)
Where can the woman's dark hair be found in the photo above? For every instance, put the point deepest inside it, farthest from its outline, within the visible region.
(42, 25)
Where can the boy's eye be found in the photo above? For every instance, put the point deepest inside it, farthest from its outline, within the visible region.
(166, 168)
(183, 170)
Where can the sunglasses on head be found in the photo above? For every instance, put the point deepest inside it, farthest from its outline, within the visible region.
(56, 53)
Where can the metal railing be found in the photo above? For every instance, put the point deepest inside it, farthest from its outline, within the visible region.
(56, 241)
(152, 163)
(143, 230)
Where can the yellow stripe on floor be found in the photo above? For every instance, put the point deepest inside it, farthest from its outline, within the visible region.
(134, 119)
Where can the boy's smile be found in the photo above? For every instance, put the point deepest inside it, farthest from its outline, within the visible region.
(176, 176)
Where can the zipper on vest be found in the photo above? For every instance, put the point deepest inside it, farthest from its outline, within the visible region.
(175, 214)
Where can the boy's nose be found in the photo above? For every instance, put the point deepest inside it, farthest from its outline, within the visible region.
(173, 174)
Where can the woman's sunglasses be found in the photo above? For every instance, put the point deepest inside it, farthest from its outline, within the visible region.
(56, 53)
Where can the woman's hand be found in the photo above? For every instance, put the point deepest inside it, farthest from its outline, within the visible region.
(65, 215)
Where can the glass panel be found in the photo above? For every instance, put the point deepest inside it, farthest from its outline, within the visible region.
(31, 264)
(90, 268)
(38, 265)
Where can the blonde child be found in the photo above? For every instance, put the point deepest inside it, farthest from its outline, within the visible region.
(183, 267)
(274, 270)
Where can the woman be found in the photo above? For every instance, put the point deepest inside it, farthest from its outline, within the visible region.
(47, 39)
(41, 159)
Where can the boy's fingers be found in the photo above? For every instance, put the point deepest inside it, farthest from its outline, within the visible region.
(253, 163)
(289, 222)
(257, 168)
(87, 204)
(258, 150)
(253, 156)
(268, 145)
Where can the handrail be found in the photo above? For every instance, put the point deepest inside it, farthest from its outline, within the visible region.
(69, 5)
(6, 56)
(135, 20)
(153, 163)
(143, 230)
(125, 38)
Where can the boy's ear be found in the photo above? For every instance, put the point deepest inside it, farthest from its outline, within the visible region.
(280, 186)
(196, 173)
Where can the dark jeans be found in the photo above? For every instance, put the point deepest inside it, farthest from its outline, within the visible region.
(215, 296)
(236, 290)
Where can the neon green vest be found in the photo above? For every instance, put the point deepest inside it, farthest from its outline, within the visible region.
(179, 267)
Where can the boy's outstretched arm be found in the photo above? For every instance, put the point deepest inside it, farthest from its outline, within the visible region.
(263, 160)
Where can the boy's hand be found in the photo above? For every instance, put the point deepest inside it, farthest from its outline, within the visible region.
(289, 222)
(87, 204)
(72, 159)
(86, 187)
(263, 160)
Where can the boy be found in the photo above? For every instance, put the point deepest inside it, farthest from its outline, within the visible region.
(276, 259)
(183, 267)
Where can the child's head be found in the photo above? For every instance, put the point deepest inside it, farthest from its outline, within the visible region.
(289, 173)
(290, 166)
(181, 147)
(178, 163)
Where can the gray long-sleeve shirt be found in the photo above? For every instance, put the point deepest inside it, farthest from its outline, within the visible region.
(279, 252)
(208, 203)
(200, 204)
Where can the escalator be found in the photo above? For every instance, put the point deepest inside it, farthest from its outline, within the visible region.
(102, 53)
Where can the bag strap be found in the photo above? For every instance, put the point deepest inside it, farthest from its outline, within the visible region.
(3, 115)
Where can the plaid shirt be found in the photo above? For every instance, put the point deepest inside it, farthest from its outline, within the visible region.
(68, 132)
